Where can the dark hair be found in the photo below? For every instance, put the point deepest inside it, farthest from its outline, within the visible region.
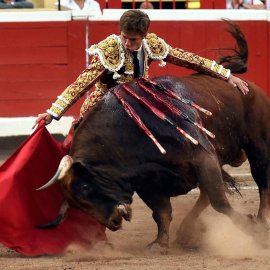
(135, 20)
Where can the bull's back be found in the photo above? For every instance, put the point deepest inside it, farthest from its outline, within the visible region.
(237, 119)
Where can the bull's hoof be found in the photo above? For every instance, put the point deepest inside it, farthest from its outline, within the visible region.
(181, 241)
(189, 234)
(183, 237)
(253, 218)
(160, 247)
(185, 234)
(258, 226)
(251, 225)
(262, 237)
(109, 245)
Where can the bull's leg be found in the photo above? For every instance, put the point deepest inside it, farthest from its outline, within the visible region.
(264, 208)
(162, 214)
(260, 169)
(210, 177)
(186, 229)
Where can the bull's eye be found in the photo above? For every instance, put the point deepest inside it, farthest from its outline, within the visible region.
(85, 187)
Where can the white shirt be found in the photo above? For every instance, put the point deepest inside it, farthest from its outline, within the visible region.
(88, 4)
(251, 2)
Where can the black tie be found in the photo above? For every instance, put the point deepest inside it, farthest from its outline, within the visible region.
(136, 65)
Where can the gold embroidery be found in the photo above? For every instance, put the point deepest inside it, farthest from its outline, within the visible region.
(195, 62)
(157, 46)
(224, 72)
(104, 45)
(216, 68)
(129, 78)
(128, 65)
(102, 86)
(151, 35)
(55, 110)
(208, 63)
(90, 101)
(73, 92)
(121, 79)
(109, 51)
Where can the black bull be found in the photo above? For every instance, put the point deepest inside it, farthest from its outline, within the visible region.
(111, 157)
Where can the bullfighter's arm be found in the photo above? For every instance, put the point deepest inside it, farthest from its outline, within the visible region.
(192, 61)
(77, 89)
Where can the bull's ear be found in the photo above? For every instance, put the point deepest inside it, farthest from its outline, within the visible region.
(80, 166)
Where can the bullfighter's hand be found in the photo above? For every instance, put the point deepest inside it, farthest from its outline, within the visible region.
(47, 118)
(237, 82)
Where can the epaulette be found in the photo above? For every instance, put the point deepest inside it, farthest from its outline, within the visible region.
(156, 48)
(110, 51)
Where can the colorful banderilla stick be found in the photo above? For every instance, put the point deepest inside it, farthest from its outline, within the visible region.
(131, 112)
(175, 110)
(158, 113)
(176, 96)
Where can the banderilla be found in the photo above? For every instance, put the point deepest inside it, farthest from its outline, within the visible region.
(176, 96)
(158, 113)
(131, 112)
(175, 110)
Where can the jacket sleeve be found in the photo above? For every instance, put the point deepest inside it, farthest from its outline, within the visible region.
(77, 89)
(192, 61)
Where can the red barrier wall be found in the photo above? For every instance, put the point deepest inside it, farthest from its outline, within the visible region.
(213, 4)
(38, 60)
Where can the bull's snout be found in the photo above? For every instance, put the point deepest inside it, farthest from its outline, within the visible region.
(120, 212)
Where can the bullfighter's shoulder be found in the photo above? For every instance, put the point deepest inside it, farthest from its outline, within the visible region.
(110, 52)
(156, 47)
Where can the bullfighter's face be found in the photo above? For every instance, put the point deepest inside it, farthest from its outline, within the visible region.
(91, 192)
(131, 40)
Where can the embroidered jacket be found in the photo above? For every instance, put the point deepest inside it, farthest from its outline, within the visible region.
(111, 65)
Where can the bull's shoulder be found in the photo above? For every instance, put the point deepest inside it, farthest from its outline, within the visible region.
(156, 47)
(110, 52)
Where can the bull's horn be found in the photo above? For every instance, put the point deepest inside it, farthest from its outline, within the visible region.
(64, 166)
(59, 219)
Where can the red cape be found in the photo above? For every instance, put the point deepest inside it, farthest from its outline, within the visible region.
(22, 207)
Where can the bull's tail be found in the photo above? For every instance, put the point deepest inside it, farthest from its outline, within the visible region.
(230, 183)
(237, 62)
